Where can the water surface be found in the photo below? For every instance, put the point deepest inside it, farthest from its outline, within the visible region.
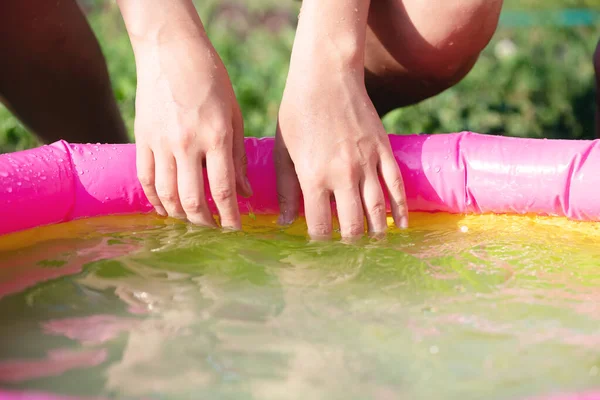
(453, 308)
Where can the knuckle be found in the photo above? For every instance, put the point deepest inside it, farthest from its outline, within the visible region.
(183, 141)
(167, 196)
(377, 209)
(220, 135)
(353, 174)
(400, 203)
(244, 160)
(282, 199)
(397, 185)
(192, 205)
(355, 228)
(186, 139)
(216, 141)
(312, 178)
(223, 193)
(146, 180)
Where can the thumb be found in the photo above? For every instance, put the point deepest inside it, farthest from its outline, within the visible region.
(288, 186)
(240, 160)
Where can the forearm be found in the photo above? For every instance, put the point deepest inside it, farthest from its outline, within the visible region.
(152, 23)
(331, 33)
(170, 46)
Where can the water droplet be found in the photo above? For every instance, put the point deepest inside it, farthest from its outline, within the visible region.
(106, 198)
(75, 148)
(19, 183)
(26, 178)
(81, 172)
(3, 174)
(87, 170)
(60, 160)
(101, 167)
(43, 177)
(437, 169)
(94, 158)
(9, 189)
(98, 144)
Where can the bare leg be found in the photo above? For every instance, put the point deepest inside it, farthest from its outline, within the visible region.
(419, 48)
(53, 75)
(597, 73)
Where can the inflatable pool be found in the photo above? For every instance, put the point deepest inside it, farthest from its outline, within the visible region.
(457, 173)
(491, 293)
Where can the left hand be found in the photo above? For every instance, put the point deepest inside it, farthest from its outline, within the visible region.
(331, 142)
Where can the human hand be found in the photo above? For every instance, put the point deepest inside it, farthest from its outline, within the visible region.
(330, 141)
(186, 117)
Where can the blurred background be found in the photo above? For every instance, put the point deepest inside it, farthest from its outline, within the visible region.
(535, 78)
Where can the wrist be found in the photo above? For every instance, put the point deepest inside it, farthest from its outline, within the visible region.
(161, 23)
(338, 52)
(331, 36)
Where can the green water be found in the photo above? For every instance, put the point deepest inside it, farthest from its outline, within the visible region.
(171, 312)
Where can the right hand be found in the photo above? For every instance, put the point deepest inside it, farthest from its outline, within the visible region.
(186, 117)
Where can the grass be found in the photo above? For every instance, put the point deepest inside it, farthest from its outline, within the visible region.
(529, 82)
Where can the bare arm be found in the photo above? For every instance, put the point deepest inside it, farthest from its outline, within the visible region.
(186, 114)
(330, 138)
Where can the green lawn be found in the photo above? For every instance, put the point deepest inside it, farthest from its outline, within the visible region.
(534, 81)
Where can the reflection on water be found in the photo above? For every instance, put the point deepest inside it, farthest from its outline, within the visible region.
(497, 308)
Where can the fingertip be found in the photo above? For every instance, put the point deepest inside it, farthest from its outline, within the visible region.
(404, 222)
(200, 220)
(286, 217)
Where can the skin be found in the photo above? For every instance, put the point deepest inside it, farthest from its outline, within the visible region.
(330, 142)
(352, 62)
(597, 73)
(186, 115)
(339, 128)
(53, 75)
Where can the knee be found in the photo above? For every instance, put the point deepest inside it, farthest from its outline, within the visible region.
(596, 61)
(437, 38)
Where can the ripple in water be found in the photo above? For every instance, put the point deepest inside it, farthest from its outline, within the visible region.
(502, 308)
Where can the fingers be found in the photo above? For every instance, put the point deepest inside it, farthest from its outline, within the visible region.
(288, 187)
(374, 202)
(239, 156)
(317, 210)
(222, 180)
(350, 212)
(390, 172)
(145, 174)
(190, 182)
(166, 184)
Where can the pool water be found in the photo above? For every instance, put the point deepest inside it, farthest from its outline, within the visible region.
(487, 307)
